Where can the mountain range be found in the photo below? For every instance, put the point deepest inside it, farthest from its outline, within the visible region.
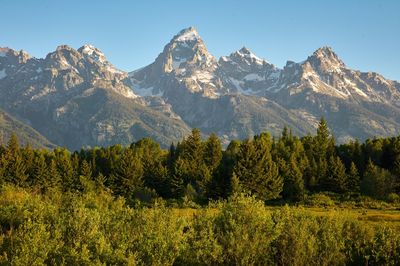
(77, 98)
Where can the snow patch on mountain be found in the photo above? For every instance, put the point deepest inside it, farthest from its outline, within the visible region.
(247, 54)
(3, 74)
(253, 77)
(91, 52)
(189, 34)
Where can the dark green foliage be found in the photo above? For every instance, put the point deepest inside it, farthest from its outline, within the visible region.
(293, 183)
(336, 177)
(377, 182)
(127, 175)
(197, 170)
(353, 178)
(256, 171)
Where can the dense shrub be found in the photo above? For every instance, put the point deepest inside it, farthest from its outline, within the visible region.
(94, 228)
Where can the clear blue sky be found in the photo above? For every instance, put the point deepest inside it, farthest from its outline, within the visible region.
(365, 34)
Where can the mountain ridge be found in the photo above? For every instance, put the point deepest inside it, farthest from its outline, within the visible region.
(236, 96)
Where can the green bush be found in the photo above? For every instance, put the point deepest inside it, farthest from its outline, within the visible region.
(94, 228)
(319, 200)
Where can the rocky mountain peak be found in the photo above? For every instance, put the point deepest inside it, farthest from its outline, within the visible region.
(185, 51)
(20, 57)
(245, 58)
(4, 51)
(91, 52)
(326, 59)
(95, 55)
(187, 35)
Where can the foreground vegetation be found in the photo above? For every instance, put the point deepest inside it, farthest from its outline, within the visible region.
(94, 228)
(285, 168)
(197, 204)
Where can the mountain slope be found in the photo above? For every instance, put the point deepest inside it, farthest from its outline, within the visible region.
(191, 80)
(77, 97)
(25, 134)
(206, 93)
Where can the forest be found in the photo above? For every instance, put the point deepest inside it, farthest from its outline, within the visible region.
(199, 204)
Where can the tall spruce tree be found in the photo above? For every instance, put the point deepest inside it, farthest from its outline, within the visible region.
(256, 171)
(377, 182)
(127, 176)
(353, 178)
(293, 187)
(16, 168)
(336, 177)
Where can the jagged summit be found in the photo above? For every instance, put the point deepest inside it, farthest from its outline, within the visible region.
(246, 53)
(20, 56)
(89, 51)
(188, 34)
(80, 92)
(326, 56)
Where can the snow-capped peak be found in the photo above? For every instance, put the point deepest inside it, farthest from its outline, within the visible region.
(89, 50)
(3, 52)
(244, 52)
(185, 35)
(93, 53)
(326, 54)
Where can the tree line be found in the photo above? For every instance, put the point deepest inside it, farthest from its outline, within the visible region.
(285, 167)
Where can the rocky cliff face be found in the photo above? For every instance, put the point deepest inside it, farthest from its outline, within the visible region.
(76, 97)
(357, 105)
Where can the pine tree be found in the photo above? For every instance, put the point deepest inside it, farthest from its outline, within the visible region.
(377, 182)
(177, 178)
(353, 178)
(128, 174)
(54, 178)
(396, 174)
(85, 177)
(324, 142)
(40, 172)
(235, 186)
(193, 147)
(293, 188)
(85, 170)
(336, 177)
(16, 169)
(66, 170)
(212, 152)
(257, 173)
(221, 182)
(154, 165)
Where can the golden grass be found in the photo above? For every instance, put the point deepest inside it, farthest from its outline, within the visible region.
(369, 216)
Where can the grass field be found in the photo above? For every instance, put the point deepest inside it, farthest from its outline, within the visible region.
(390, 217)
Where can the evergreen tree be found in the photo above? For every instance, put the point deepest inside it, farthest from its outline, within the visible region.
(222, 179)
(66, 169)
(257, 173)
(127, 176)
(15, 166)
(376, 181)
(324, 142)
(177, 178)
(336, 177)
(86, 170)
(54, 178)
(235, 186)
(396, 175)
(154, 165)
(353, 178)
(293, 187)
(212, 152)
(40, 173)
